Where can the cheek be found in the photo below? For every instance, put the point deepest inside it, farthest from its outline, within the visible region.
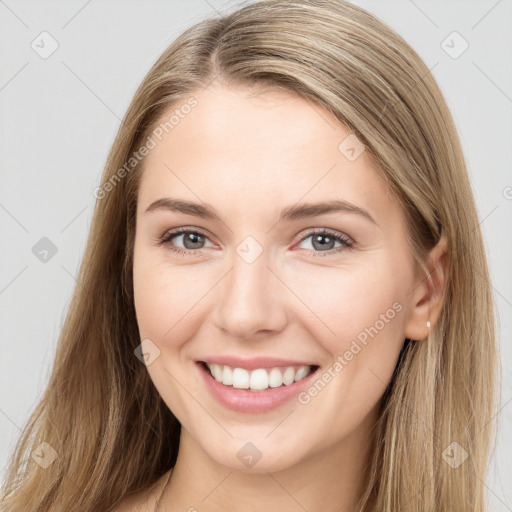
(357, 316)
(172, 303)
(167, 303)
(343, 303)
(166, 299)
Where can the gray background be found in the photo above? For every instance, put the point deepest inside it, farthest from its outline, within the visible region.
(60, 115)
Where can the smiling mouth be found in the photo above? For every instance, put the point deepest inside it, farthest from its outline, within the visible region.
(259, 379)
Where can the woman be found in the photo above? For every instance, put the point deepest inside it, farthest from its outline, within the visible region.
(284, 302)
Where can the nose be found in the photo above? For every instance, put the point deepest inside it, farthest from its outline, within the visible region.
(251, 300)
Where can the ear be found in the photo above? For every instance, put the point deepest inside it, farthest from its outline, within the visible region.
(428, 293)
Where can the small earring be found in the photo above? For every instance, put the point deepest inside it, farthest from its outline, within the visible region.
(428, 324)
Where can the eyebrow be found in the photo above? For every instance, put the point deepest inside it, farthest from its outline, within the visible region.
(291, 213)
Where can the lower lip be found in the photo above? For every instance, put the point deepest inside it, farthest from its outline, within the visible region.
(243, 400)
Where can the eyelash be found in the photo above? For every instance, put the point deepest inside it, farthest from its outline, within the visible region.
(346, 242)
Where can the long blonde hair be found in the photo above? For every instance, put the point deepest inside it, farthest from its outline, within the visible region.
(110, 429)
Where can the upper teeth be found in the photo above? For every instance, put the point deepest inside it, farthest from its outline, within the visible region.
(258, 379)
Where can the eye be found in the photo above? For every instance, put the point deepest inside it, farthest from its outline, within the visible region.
(323, 241)
(192, 239)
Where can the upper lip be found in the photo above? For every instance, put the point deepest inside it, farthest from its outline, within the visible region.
(254, 363)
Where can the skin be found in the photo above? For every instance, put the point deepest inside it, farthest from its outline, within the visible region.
(249, 154)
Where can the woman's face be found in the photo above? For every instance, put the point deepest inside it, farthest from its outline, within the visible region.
(264, 273)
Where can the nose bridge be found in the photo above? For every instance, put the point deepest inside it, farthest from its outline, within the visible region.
(248, 299)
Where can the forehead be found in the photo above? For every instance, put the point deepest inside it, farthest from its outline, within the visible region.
(248, 147)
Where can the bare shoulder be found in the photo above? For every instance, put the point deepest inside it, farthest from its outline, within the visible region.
(143, 500)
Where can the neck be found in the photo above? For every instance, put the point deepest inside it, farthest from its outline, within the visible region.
(329, 479)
